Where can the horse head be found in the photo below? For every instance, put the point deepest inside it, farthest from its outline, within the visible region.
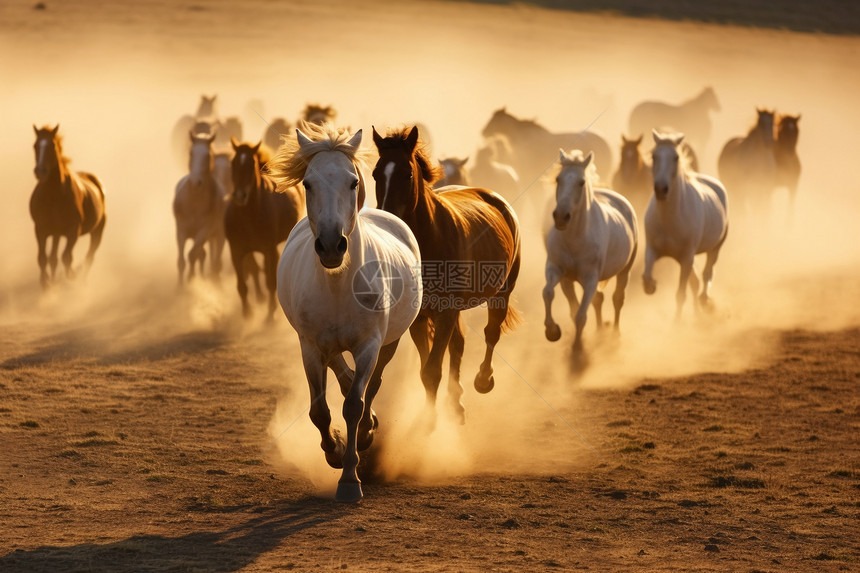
(499, 123)
(206, 108)
(398, 174)
(765, 125)
(48, 150)
(246, 171)
(631, 158)
(666, 162)
(787, 131)
(572, 185)
(200, 159)
(317, 114)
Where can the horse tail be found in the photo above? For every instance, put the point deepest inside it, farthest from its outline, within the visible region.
(512, 319)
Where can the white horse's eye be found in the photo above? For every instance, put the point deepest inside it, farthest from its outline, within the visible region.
(354, 185)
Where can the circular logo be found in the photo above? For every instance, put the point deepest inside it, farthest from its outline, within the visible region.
(377, 285)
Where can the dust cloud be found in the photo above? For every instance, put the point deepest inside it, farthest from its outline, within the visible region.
(117, 78)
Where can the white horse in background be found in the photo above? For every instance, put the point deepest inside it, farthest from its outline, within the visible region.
(693, 117)
(687, 215)
(594, 238)
(492, 174)
(198, 207)
(348, 281)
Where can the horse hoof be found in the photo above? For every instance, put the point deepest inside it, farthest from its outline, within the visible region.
(348, 492)
(365, 440)
(650, 286)
(553, 333)
(484, 386)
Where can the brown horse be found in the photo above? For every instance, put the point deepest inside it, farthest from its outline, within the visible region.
(747, 165)
(787, 160)
(257, 219)
(470, 251)
(63, 204)
(633, 178)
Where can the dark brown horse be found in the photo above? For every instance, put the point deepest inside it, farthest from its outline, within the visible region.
(470, 251)
(64, 204)
(787, 160)
(257, 219)
(747, 165)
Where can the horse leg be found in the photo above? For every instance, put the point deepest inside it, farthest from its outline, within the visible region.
(238, 256)
(42, 258)
(589, 290)
(553, 277)
(369, 422)
(708, 276)
(618, 295)
(71, 239)
(366, 359)
(252, 269)
(420, 332)
(597, 303)
(198, 252)
(216, 247)
(648, 281)
(681, 296)
(431, 371)
(180, 262)
(270, 264)
(455, 357)
(53, 259)
(332, 442)
(95, 241)
(342, 372)
(569, 292)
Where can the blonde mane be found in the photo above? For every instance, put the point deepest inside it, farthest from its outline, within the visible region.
(290, 162)
(575, 158)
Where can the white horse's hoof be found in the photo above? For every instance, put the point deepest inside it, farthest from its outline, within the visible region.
(553, 333)
(348, 492)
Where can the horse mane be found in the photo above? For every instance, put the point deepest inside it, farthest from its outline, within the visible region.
(396, 139)
(62, 160)
(290, 162)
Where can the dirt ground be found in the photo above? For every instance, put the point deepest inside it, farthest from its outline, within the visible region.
(145, 429)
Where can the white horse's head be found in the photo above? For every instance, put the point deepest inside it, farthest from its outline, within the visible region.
(666, 161)
(573, 185)
(200, 159)
(326, 162)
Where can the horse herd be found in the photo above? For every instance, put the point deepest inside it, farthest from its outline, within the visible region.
(355, 279)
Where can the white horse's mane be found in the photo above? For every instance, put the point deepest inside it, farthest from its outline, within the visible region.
(290, 162)
(576, 158)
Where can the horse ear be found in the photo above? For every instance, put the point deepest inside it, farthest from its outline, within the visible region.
(191, 135)
(464, 161)
(412, 138)
(35, 129)
(355, 140)
(638, 140)
(211, 137)
(678, 139)
(656, 134)
(377, 139)
(797, 117)
(234, 143)
(302, 138)
(588, 159)
(55, 130)
(256, 148)
(561, 155)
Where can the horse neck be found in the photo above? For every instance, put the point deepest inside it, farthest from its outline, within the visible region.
(672, 205)
(787, 142)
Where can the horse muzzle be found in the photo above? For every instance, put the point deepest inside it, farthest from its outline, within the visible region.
(661, 191)
(560, 220)
(332, 251)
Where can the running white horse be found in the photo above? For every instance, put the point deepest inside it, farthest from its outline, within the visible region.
(198, 207)
(687, 215)
(348, 281)
(594, 238)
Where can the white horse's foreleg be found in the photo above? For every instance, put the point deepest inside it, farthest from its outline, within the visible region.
(569, 292)
(589, 289)
(708, 275)
(180, 262)
(618, 295)
(648, 281)
(349, 486)
(597, 303)
(315, 370)
(553, 277)
(686, 271)
(342, 372)
(369, 422)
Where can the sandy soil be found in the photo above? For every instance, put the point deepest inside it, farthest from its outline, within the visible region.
(143, 429)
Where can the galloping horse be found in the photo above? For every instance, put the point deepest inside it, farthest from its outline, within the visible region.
(594, 238)
(747, 165)
(64, 204)
(257, 219)
(200, 122)
(687, 215)
(470, 248)
(691, 117)
(787, 161)
(275, 132)
(347, 282)
(532, 144)
(198, 207)
(492, 174)
(453, 172)
(317, 114)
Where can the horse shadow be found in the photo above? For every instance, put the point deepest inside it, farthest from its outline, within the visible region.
(229, 549)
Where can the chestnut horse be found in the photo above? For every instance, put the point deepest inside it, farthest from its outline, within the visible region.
(257, 219)
(470, 251)
(63, 204)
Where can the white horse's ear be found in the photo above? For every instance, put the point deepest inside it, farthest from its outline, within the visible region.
(588, 159)
(657, 137)
(302, 138)
(562, 156)
(212, 136)
(679, 137)
(355, 140)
